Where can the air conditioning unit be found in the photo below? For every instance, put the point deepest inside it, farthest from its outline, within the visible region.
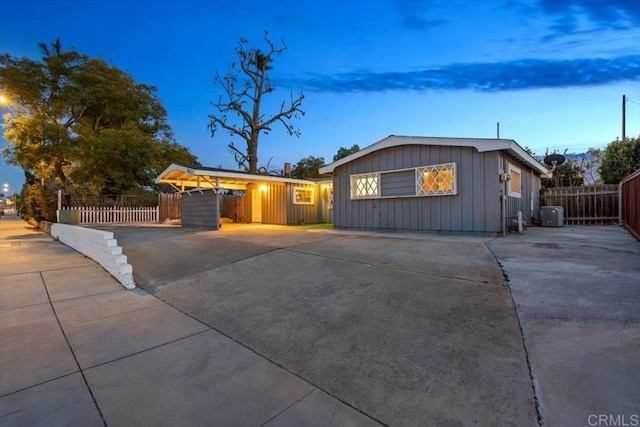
(552, 216)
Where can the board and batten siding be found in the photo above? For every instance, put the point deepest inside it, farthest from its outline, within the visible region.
(302, 214)
(475, 207)
(529, 201)
(200, 209)
(278, 205)
(325, 202)
(274, 204)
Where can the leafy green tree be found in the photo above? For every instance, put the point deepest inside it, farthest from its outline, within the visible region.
(308, 167)
(620, 159)
(344, 152)
(79, 123)
(239, 109)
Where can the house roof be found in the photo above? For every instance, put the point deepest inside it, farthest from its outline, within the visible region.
(183, 177)
(480, 144)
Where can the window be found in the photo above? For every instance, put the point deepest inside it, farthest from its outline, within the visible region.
(365, 186)
(436, 180)
(515, 182)
(302, 196)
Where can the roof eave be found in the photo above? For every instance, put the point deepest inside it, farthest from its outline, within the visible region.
(488, 144)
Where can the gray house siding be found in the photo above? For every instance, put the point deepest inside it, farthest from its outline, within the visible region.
(274, 204)
(302, 214)
(278, 205)
(529, 201)
(325, 202)
(475, 207)
(201, 209)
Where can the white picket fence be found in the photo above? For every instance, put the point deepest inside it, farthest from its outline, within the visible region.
(114, 214)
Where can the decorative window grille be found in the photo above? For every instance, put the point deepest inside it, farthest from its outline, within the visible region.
(515, 182)
(365, 186)
(302, 196)
(436, 180)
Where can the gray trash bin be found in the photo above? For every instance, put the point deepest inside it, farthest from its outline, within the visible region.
(552, 216)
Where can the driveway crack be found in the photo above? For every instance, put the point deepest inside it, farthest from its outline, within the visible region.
(537, 395)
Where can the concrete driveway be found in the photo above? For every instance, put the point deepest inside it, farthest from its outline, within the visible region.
(407, 329)
(577, 292)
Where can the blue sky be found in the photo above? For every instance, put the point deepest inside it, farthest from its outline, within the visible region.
(552, 72)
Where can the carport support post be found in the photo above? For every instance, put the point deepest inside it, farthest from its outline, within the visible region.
(216, 190)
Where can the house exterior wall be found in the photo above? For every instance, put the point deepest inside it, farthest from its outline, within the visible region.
(274, 204)
(278, 206)
(201, 210)
(475, 207)
(529, 201)
(299, 213)
(325, 202)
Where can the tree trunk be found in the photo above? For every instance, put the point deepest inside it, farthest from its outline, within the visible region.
(252, 151)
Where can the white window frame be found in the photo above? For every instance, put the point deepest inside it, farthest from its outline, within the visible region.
(305, 189)
(374, 191)
(420, 171)
(369, 190)
(510, 192)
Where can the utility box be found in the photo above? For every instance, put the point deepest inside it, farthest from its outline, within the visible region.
(552, 216)
(71, 217)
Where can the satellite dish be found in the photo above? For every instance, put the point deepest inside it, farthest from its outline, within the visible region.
(554, 159)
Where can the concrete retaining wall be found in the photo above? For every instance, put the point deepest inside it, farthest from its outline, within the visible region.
(98, 245)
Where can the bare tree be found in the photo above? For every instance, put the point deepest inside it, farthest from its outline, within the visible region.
(238, 108)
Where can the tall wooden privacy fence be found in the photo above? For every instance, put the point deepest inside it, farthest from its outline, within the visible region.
(169, 206)
(630, 203)
(232, 207)
(585, 205)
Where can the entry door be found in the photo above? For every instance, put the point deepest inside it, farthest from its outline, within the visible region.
(256, 205)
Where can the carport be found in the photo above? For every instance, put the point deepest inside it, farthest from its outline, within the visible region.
(268, 199)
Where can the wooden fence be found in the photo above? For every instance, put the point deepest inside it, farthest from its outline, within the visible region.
(232, 207)
(111, 214)
(169, 206)
(630, 203)
(584, 205)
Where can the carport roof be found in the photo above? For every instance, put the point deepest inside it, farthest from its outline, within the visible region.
(185, 177)
(480, 144)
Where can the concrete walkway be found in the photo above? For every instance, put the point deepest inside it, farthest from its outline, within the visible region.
(78, 349)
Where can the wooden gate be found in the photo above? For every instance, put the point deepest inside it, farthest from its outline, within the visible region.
(584, 205)
(232, 207)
